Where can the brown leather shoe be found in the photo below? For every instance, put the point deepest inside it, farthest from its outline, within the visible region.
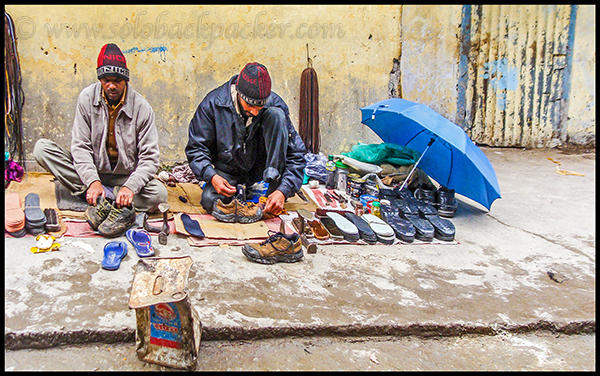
(279, 247)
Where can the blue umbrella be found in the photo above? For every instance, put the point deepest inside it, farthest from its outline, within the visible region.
(447, 154)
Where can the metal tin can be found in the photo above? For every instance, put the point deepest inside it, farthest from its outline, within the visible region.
(356, 187)
(349, 182)
(342, 182)
(168, 327)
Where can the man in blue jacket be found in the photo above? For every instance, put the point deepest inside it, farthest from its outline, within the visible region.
(241, 133)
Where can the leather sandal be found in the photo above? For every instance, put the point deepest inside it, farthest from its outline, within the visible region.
(317, 228)
(302, 227)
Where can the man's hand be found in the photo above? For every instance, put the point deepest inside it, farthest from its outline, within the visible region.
(275, 203)
(222, 186)
(124, 197)
(94, 190)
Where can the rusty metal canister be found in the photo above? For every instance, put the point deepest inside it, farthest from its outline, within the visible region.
(168, 327)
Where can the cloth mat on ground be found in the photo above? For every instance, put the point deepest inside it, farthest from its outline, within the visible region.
(43, 184)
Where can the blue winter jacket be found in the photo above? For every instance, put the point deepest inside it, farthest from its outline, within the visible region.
(216, 141)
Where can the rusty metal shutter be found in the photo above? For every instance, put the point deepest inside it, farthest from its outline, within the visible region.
(514, 73)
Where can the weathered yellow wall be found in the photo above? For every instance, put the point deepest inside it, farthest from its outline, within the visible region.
(430, 55)
(177, 54)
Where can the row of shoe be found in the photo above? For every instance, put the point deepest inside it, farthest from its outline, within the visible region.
(281, 247)
(109, 220)
(31, 219)
(349, 227)
(412, 218)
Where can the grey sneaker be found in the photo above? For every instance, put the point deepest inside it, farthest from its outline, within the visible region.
(117, 222)
(95, 215)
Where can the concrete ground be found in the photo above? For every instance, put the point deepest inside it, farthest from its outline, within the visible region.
(526, 266)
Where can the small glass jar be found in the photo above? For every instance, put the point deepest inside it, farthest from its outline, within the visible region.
(359, 210)
(375, 209)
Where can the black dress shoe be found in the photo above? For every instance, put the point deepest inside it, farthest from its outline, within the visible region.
(426, 193)
(403, 229)
(446, 202)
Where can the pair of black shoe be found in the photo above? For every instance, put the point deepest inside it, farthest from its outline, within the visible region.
(443, 198)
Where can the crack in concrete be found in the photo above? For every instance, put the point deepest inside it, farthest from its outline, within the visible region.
(18, 341)
(572, 249)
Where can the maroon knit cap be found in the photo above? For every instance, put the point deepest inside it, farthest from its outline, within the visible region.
(111, 62)
(254, 84)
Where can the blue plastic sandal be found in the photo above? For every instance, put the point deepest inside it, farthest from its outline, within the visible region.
(142, 242)
(114, 252)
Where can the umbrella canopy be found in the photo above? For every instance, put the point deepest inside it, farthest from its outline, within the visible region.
(453, 160)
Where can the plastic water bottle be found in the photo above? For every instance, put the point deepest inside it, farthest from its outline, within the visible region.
(330, 171)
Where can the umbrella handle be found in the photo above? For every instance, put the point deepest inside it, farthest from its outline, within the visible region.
(416, 164)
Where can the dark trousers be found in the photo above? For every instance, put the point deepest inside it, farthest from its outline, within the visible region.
(269, 161)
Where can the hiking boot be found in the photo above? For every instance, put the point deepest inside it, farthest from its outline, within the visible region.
(247, 212)
(117, 222)
(279, 247)
(236, 211)
(95, 215)
(224, 212)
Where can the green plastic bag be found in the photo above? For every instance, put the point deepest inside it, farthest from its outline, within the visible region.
(376, 154)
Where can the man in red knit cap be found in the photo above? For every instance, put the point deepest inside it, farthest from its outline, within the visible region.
(241, 134)
(114, 150)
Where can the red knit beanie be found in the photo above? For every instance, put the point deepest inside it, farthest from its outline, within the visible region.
(254, 84)
(111, 62)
